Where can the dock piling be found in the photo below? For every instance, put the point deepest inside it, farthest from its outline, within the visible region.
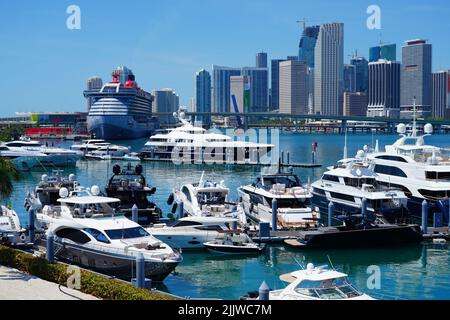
(134, 213)
(264, 230)
(330, 212)
(424, 216)
(313, 157)
(438, 220)
(50, 254)
(31, 230)
(180, 209)
(364, 208)
(274, 214)
(140, 271)
(288, 157)
(264, 291)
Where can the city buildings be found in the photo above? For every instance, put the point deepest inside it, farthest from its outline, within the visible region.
(274, 84)
(416, 79)
(307, 45)
(355, 104)
(93, 83)
(384, 89)
(261, 60)
(361, 73)
(441, 95)
(293, 87)
(349, 78)
(386, 52)
(329, 69)
(221, 83)
(240, 93)
(166, 100)
(259, 82)
(203, 95)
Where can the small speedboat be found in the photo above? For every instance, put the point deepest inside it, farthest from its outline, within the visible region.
(93, 156)
(241, 244)
(131, 157)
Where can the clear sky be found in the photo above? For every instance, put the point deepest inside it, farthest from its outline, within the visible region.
(45, 65)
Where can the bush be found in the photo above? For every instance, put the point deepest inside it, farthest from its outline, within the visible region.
(93, 284)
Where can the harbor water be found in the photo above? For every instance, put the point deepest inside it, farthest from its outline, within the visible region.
(411, 272)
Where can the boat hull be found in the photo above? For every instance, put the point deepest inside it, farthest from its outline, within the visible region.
(233, 249)
(111, 127)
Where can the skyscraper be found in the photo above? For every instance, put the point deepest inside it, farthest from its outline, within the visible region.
(361, 73)
(386, 52)
(275, 83)
(221, 83)
(203, 95)
(329, 69)
(261, 60)
(307, 45)
(293, 87)
(355, 104)
(259, 82)
(441, 94)
(416, 79)
(124, 74)
(349, 78)
(240, 91)
(166, 100)
(384, 89)
(93, 83)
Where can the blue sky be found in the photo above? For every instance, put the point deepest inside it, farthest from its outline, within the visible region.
(45, 65)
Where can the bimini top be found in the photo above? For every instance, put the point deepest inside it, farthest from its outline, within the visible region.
(88, 200)
(315, 274)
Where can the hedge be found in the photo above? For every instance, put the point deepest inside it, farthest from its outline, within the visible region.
(91, 283)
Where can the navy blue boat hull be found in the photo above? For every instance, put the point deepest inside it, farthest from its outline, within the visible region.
(109, 127)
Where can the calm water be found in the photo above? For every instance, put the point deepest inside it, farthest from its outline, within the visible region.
(417, 272)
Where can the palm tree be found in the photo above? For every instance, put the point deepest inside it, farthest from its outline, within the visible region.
(8, 173)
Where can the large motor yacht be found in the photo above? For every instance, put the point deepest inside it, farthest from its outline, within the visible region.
(352, 180)
(21, 158)
(294, 208)
(188, 143)
(422, 171)
(90, 233)
(100, 147)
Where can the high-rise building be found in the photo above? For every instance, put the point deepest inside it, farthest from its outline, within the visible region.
(93, 83)
(221, 83)
(259, 82)
(416, 79)
(386, 52)
(293, 87)
(203, 95)
(384, 89)
(441, 94)
(329, 69)
(124, 74)
(292, 58)
(275, 83)
(261, 60)
(240, 93)
(307, 45)
(349, 78)
(361, 73)
(166, 100)
(355, 104)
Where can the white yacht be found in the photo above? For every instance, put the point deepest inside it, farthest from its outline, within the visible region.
(348, 183)
(422, 171)
(11, 230)
(58, 157)
(294, 208)
(22, 159)
(190, 233)
(98, 147)
(317, 283)
(188, 143)
(90, 233)
(205, 198)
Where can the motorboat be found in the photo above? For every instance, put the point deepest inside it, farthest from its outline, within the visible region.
(98, 147)
(205, 198)
(317, 283)
(22, 159)
(189, 233)
(231, 243)
(58, 157)
(90, 233)
(187, 143)
(133, 156)
(294, 207)
(11, 231)
(351, 181)
(130, 186)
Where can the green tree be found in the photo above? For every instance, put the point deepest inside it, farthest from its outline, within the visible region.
(8, 173)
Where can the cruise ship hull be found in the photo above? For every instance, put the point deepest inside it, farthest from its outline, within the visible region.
(115, 127)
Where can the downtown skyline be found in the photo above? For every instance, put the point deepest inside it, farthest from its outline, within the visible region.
(157, 51)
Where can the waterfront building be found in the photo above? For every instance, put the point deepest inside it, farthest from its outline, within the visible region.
(261, 60)
(93, 83)
(259, 81)
(384, 89)
(166, 100)
(385, 52)
(203, 95)
(307, 45)
(355, 104)
(416, 79)
(441, 94)
(294, 87)
(275, 83)
(329, 69)
(349, 78)
(221, 83)
(240, 92)
(124, 74)
(361, 73)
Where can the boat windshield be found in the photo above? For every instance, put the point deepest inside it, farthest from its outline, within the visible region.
(290, 181)
(337, 288)
(129, 233)
(211, 197)
(127, 181)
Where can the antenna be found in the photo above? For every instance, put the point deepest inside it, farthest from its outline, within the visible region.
(331, 263)
(303, 22)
